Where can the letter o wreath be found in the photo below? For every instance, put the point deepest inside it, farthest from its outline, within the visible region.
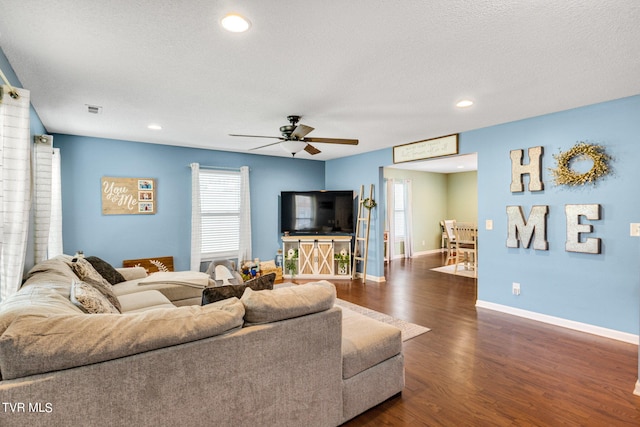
(564, 175)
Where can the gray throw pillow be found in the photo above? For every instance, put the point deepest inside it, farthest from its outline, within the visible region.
(106, 270)
(217, 293)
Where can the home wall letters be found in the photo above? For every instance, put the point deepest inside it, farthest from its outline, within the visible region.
(534, 228)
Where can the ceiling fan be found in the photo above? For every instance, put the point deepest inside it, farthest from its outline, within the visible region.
(294, 138)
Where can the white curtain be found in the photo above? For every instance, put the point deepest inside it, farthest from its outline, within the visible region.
(55, 246)
(15, 188)
(42, 173)
(399, 221)
(244, 249)
(196, 219)
(408, 219)
(391, 245)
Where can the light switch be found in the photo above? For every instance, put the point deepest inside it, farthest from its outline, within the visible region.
(488, 224)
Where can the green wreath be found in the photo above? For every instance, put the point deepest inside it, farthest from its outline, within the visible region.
(564, 175)
(369, 203)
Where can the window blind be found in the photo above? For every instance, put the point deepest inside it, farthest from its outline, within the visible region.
(220, 213)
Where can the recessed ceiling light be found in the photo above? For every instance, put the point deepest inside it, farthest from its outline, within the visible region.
(464, 103)
(235, 23)
(460, 166)
(154, 127)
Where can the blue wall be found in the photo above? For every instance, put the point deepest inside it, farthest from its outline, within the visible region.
(117, 237)
(602, 289)
(596, 289)
(350, 173)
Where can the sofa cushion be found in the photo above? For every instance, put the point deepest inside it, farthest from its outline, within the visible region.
(366, 342)
(85, 271)
(132, 273)
(218, 293)
(194, 279)
(91, 300)
(106, 270)
(287, 302)
(145, 300)
(38, 300)
(54, 273)
(35, 344)
(172, 292)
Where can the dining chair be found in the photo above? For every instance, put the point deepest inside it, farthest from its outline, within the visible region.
(449, 225)
(466, 246)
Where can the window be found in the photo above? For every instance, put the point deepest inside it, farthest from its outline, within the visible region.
(220, 213)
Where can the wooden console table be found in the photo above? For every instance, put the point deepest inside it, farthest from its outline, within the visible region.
(316, 257)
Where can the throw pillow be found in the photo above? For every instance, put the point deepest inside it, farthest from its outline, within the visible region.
(106, 270)
(86, 273)
(268, 265)
(90, 300)
(287, 302)
(217, 293)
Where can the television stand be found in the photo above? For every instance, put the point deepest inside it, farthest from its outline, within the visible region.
(317, 257)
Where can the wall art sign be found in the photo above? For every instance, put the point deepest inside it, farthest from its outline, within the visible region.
(128, 196)
(426, 149)
(521, 231)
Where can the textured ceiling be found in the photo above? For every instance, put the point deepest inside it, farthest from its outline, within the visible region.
(385, 72)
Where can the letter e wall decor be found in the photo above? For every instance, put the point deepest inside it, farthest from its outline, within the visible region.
(573, 213)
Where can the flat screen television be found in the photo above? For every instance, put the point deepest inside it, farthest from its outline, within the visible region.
(317, 212)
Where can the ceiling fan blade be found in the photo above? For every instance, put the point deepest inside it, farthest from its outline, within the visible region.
(311, 149)
(257, 136)
(300, 131)
(333, 141)
(264, 146)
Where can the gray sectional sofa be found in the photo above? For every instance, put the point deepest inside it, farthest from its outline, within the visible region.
(286, 357)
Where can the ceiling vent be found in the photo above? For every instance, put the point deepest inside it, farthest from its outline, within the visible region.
(93, 109)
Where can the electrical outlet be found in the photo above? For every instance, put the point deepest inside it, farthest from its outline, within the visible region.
(488, 224)
(634, 229)
(515, 288)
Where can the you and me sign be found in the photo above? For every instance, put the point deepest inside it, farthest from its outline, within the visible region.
(134, 196)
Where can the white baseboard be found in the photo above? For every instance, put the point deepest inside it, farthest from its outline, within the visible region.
(378, 279)
(565, 323)
(429, 252)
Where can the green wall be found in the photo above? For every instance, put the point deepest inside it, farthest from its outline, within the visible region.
(462, 203)
(438, 196)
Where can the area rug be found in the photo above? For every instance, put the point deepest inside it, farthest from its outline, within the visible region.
(409, 330)
(450, 269)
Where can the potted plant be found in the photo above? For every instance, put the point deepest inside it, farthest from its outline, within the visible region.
(343, 259)
(291, 262)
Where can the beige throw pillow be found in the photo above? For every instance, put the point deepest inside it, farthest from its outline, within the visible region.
(90, 300)
(286, 303)
(88, 274)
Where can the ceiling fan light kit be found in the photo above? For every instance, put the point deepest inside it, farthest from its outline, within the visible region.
(293, 147)
(293, 139)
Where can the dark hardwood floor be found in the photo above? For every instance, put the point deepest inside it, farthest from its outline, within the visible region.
(477, 367)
